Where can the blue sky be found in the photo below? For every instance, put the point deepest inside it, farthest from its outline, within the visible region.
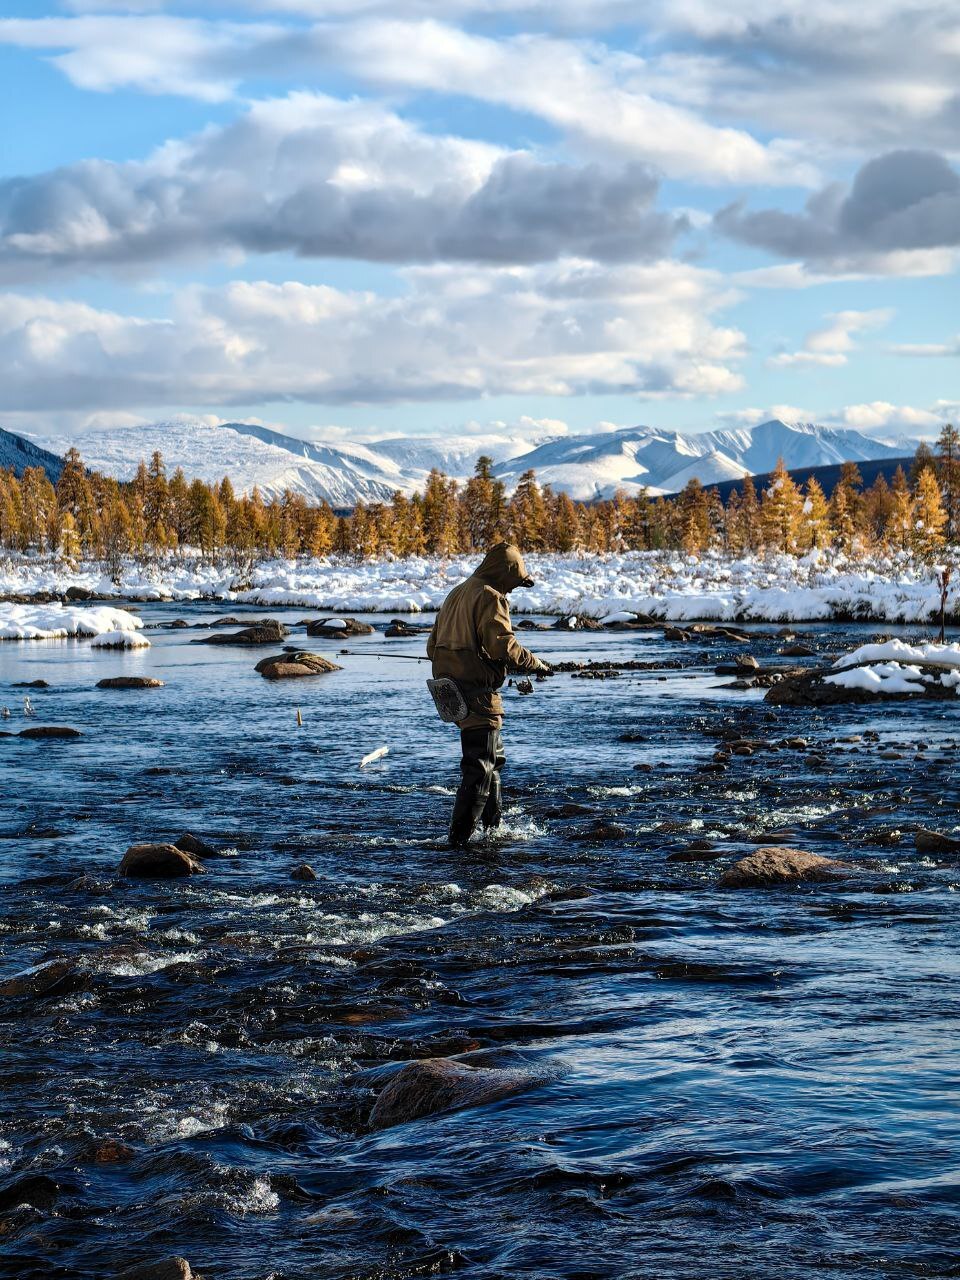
(352, 220)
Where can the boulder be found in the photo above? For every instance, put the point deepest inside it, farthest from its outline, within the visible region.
(398, 629)
(129, 682)
(771, 866)
(797, 651)
(303, 872)
(50, 979)
(110, 1151)
(31, 684)
(577, 622)
(49, 731)
(267, 631)
(36, 1189)
(163, 1269)
(601, 830)
(746, 662)
(926, 841)
(331, 629)
(158, 862)
(192, 844)
(433, 1086)
(806, 687)
(675, 633)
(288, 666)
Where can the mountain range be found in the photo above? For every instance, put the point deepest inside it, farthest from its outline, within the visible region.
(588, 466)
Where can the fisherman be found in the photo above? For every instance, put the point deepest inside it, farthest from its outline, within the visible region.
(472, 643)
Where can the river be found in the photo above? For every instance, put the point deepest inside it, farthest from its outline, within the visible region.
(730, 1083)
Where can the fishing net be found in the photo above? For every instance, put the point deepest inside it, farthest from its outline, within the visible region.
(449, 701)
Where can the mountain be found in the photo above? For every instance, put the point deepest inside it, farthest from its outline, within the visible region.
(588, 466)
(253, 456)
(596, 465)
(16, 452)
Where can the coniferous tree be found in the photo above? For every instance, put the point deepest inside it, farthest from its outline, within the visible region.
(929, 516)
(781, 511)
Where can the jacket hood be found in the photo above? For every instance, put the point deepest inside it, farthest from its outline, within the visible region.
(503, 568)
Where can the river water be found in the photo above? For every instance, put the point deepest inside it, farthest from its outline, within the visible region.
(730, 1083)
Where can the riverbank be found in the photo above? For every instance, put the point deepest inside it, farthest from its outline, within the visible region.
(665, 586)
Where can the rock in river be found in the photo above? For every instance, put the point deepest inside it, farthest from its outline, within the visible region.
(192, 844)
(129, 682)
(433, 1085)
(338, 628)
(158, 862)
(769, 866)
(926, 841)
(267, 631)
(49, 731)
(286, 666)
(49, 979)
(303, 872)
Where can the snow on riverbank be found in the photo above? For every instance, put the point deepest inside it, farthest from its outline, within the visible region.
(667, 586)
(57, 621)
(892, 667)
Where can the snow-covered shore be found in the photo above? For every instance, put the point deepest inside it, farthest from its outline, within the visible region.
(667, 586)
(57, 622)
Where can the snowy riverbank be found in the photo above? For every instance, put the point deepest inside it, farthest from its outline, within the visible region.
(666, 586)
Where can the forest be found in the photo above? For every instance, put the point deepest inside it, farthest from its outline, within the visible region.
(89, 516)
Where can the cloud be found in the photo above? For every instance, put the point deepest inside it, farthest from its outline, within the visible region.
(830, 344)
(951, 348)
(597, 97)
(902, 209)
(567, 328)
(319, 177)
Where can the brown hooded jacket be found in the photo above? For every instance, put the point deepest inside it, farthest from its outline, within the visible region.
(472, 640)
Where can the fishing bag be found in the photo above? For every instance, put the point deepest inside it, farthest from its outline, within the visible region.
(449, 701)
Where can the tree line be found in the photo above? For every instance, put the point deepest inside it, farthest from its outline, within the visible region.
(89, 516)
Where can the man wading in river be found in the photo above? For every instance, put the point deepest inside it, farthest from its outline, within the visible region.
(472, 643)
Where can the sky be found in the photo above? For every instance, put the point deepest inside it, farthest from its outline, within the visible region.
(353, 219)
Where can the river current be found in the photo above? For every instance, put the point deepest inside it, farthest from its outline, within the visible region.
(730, 1083)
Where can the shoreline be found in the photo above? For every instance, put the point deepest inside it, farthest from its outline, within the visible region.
(659, 587)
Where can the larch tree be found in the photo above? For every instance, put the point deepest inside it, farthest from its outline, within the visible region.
(929, 517)
(781, 511)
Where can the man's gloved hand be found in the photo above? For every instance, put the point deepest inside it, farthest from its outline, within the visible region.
(542, 668)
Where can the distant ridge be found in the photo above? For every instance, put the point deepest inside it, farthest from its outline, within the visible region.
(588, 466)
(826, 477)
(19, 453)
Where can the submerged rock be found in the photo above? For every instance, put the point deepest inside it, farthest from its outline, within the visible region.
(158, 862)
(770, 866)
(49, 731)
(129, 682)
(601, 829)
(436, 1085)
(49, 979)
(164, 1269)
(399, 630)
(31, 684)
(303, 872)
(287, 666)
(926, 841)
(267, 631)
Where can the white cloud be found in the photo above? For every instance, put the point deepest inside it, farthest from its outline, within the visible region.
(829, 345)
(564, 329)
(596, 96)
(951, 348)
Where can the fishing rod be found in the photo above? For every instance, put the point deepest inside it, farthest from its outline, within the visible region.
(380, 653)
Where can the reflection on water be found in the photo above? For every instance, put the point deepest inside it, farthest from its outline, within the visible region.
(737, 1084)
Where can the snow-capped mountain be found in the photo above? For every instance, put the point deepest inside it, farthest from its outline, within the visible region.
(16, 452)
(587, 466)
(595, 466)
